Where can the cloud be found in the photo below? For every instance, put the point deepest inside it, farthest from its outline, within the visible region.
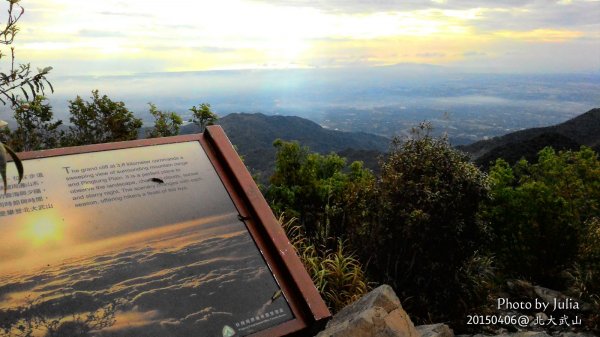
(474, 53)
(493, 15)
(125, 14)
(145, 37)
(198, 282)
(357, 6)
(99, 33)
(541, 35)
(431, 55)
(540, 15)
(126, 320)
(215, 50)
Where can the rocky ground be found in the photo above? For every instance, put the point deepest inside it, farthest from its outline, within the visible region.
(380, 314)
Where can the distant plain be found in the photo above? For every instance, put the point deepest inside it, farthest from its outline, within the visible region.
(382, 100)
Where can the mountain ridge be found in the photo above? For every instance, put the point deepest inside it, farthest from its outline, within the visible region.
(259, 153)
(569, 135)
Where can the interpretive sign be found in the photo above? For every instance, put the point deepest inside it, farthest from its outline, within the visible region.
(165, 237)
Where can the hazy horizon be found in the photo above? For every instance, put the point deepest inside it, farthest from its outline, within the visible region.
(470, 106)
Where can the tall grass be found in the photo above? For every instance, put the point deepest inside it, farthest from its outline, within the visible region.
(337, 274)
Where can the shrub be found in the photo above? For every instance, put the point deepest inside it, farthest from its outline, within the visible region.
(337, 274)
(36, 128)
(329, 198)
(427, 227)
(538, 213)
(584, 276)
(203, 116)
(101, 121)
(416, 228)
(166, 124)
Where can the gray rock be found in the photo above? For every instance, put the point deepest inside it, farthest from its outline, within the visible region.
(366, 323)
(549, 295)
(377, 314)
(575, 334)
(383, 297)
(435, 330)
(520, 334)
(529, 334)
(397, 323)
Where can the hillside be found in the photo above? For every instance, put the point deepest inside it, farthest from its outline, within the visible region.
(253, 135)
(581, 130)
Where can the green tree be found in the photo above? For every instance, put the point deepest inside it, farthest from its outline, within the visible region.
(203, 116)
(538, 212)
(17, 80)
(101, 121)
(21, 79)
(165, 123)
(427, 228)
(328, 197)
(416, 227)
(36, 128)
(331, 200)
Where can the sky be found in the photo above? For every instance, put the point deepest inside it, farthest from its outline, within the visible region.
(116, 37)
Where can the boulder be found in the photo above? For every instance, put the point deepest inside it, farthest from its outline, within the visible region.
(520, 334)
(576, 334)
(377, 314)
(435, 330)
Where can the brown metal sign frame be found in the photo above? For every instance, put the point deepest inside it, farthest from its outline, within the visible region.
(310, 312)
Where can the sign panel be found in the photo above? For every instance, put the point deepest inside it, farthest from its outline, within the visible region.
(134, 241)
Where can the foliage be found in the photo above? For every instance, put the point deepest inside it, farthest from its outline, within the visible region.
(4, 152)
(329, 198)
(337, 274)
(165, 123)
(203, 116)
(36, 129)
(427, 228)
(537, 212)
(21, 79)
(101, 121)
(17, 80)
(480, 285)
(415, 228)
(254, 134)
(584, 276)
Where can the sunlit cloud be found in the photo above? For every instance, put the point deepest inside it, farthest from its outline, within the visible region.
(544, 35)
(188, 35)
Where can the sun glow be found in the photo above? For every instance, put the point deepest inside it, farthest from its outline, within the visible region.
(43, 230)
(127, 37)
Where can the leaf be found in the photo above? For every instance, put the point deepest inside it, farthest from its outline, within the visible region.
(25, 93)
(17, 162)
(3, 164)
